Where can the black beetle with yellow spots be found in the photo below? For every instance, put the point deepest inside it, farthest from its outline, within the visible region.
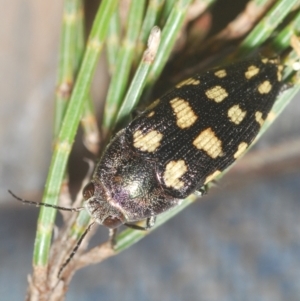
(181, 142)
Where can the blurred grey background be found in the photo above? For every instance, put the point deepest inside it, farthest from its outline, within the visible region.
(241, 242)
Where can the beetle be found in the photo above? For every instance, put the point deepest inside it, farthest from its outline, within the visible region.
(181, 142)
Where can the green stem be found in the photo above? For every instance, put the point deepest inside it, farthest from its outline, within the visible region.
(150, 20)
(282, 40)
(169, 4)
(91, 133)
(266, 26)
(138, 82)
(123, 65)
(168, 38)
(113, 41)
(68, 130)
(65, 80)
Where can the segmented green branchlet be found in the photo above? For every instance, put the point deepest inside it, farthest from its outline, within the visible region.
(282, 40)
(113, 41)
(168, 5)
(124, 61)
(91, 133)
(73, 43)
(168, 37)
(67, 55)
(67, 69)
(137, 84)
(68, 130)
(151, 18)
(71, 53)
(263, 30)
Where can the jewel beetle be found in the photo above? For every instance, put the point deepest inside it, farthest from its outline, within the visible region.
(181, 142)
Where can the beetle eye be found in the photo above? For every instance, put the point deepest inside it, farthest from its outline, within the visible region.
(88, 191)
(112, 222)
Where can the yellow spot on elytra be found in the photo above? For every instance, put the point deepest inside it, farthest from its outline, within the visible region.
(236, 114)
(151, 114)
(209, 142)
(273, 61)
(174, 170)
(189, 81)
(185, 116)
(241, 148)
(265, 87)
(212, 176)
(252, 71)
(270, 61)
(147, 142)
(216, 93)
(221, 73)
(258, 118)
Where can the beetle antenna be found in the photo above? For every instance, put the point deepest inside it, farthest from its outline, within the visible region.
(75, 248)
(45, 204)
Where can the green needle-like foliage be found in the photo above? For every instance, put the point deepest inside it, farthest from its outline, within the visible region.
(68, 130)
(124, 50)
